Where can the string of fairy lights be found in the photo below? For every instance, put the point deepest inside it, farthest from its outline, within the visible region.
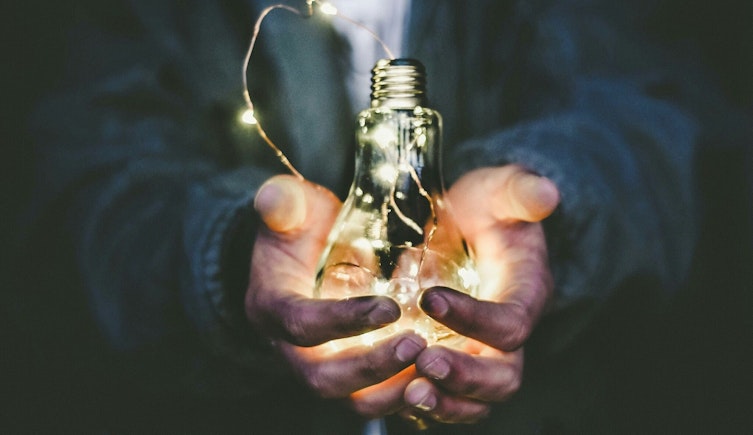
(312, 7)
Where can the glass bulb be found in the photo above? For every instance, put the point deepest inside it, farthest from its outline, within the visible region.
(395, 234)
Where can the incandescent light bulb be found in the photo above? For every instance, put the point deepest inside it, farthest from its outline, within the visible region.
(395, 234)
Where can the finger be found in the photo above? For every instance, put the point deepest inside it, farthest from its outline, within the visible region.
(502, 325)
(511, 192)
(423, 395)
(309, 322)
(527, 196)
(281, 203)
(287, 204)
(491, 376)
(337, 375)
(384, 398)
(287, 261)
(284, 264)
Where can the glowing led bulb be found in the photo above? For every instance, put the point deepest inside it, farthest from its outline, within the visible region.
(395, 236)
(328, 8)
(386, 173)
(247, 117)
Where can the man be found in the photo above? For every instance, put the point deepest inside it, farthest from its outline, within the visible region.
(546, 105)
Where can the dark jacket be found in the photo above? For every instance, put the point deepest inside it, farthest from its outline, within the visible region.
(155, 174)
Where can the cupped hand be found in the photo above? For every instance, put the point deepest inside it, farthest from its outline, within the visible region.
(499, 211)
(297, 218)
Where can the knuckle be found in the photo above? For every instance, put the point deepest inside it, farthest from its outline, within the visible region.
(260, 315)
(514, 385)
(294, 329)
(374, 367)
(508, 390)
(483, 413)
(370, 370)
(317, 382)
(351, 312)
(511, 384)
(518, 327)
(313, 380)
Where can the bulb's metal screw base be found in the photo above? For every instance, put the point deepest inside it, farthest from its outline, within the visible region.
(398, 84)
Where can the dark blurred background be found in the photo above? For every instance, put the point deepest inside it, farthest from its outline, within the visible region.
(686, 369)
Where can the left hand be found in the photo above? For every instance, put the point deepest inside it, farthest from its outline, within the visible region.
(297, 216)
(499, 211)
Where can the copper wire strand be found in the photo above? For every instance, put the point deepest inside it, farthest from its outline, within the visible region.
(408, 221)
(434, 222)
(257, 28)
(373, 34)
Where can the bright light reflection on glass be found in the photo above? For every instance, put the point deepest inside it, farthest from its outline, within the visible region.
(383, 136)
(381, 287)
(413, 271)
(469, 276)
(386, 173)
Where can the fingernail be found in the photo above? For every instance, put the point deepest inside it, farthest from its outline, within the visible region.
(281, 204)
(407, 350)
(434, 304)
(437, 369)
(421, 397)
(383, 313)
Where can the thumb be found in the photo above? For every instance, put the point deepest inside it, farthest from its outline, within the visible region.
(298, 216)
(507, 192)
(281, 203)
(527, 196)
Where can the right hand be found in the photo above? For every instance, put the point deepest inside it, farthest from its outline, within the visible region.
(499, 210)
(297, 217)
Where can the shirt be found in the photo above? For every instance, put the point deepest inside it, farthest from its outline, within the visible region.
(388, 19)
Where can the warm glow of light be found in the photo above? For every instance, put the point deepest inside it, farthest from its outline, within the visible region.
(383, 136)
(361, 244)
(469, 276)
(368, 339)
(387, 173)
(381, 287)
(413, 270)
(421, 140)
(328, 9)
(247, 117)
